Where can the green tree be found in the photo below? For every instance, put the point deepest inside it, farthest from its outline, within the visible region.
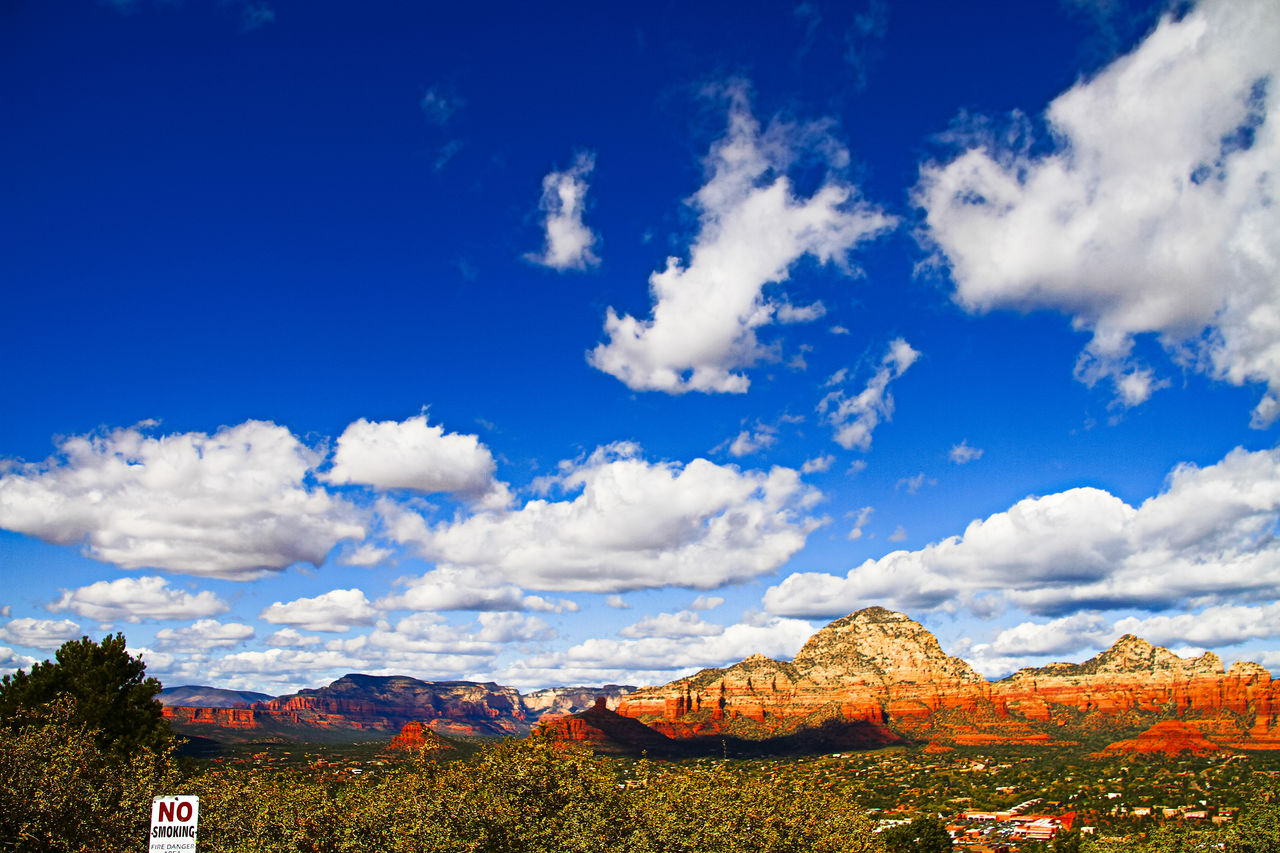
(1258, 829)
(112, 697)
(922, 835)
(61, 793)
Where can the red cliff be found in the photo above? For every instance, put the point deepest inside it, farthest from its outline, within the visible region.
(881, 667)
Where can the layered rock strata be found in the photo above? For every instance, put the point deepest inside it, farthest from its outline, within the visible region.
(881, 667)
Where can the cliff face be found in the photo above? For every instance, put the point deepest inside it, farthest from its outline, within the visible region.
(881, 667)
(872, 666)
(388, 702)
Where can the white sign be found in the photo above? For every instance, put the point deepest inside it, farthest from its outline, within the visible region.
(173, 824)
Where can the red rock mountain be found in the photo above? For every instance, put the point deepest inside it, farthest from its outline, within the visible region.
(881, 668)
(360, 707)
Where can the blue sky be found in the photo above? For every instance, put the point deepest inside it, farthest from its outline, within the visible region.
(570, 345)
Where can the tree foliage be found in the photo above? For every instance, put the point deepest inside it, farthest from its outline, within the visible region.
(60, 791)
(112, 697)
(922, 835)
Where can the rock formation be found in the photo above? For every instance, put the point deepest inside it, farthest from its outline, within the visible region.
(884, 669)
(1170, 737)
(870, 678)
(417, 738)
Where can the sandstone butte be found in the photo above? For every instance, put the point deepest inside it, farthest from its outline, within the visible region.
(880, 668)
(417, 738)
(1169, 737)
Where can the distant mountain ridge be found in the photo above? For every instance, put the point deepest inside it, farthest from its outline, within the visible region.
(358, 707)
(197, 696)
(870, 678)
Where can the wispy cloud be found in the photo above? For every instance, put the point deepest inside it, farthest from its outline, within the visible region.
(752, 230)
(568, 243)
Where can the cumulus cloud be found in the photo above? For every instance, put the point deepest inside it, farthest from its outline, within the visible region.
(11, 661)
(1206, 539)
(706, 602)
(203, 634)
(632, 525)
(1224, 625)
(366, 555)
(752, 231)
(1154, 214)
(289, 638)
(136, 599)
(451, 588)
(413, 455)
(818, 464)
(748, 442)
(39, 633)
(856, 417)
(335, 611)
(864, 515)
(617, 602)
(962, 453)
(230, 505)
(659, 659)
(569, 242)
(685, 623)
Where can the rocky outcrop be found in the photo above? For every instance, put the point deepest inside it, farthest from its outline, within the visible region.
(873, 666)
(604, 731)
(883, 668)
(1132, 675)
(418, 739)
(1170, 737)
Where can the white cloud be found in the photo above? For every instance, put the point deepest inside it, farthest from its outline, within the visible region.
(915, 483)
(706, 602)
(39, 633)
(962, 453)
(1086, 629)
(366, 555)
(899, 534)
(685, 623)
(229, 505)
(569, 241)
(771, 636)
(11, 661)
(135, 599)
(291, 638)
(818, 464)
(1212, 627)
(1155, 214)
(451, 588)
(413, 455)
(748, 442)
(513, 628)
(864, 515)
(203, 634)
(634, 525)
(335, 611)
(1206, 539)
(753, 229)
(856, 417)
(617, 602)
